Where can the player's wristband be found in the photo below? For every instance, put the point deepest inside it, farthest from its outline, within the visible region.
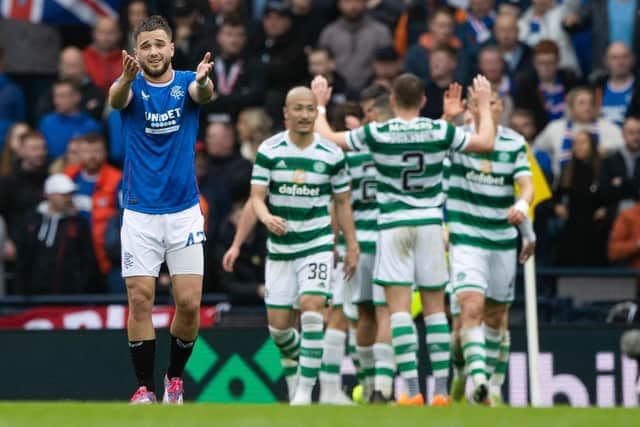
(522, 206)
(204, 84)
(322, 110)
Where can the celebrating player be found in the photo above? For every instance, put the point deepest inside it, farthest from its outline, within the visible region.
(483, 241)
(300, 172)
(408, 152)
(162, 219)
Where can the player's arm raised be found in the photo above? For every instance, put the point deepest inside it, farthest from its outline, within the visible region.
(484, 138)
(120, 93)
(321, 89)
(201, 90)
(247, 222)
(274, 224)
(344, 216)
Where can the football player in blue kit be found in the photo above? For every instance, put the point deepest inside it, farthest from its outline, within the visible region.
(162, 220)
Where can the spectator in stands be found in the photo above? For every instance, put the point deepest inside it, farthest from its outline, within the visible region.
(12, 105)
(238, 77)
(614, 91)
(11, 152)
(307, 22)
(543, 90)
(522, 122)
(3, 240)
(96, 197)
(557, 138)
(610, 21)
(386, 66)
(624, 244)
(30, 58)
(282, 54)
(577, 203)
(253, 126)
(193, 35)
(54, 253)
(620, 177)
(245, 284)
(354, 39)
(442, 64)
(475, 26)
(103, 58)
(228, 176)
(68, 120)
(543, 20)
(516, 54)
(70, 157)
(21, 191)
(227, 8)
(441, 32)
(322, 63)
(135, 13)
(71, 67)
(493, 67)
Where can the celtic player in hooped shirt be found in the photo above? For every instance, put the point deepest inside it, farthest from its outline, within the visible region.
(408, 152)
(300, 173)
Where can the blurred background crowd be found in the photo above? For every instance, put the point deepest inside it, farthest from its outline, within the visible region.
(566, 71)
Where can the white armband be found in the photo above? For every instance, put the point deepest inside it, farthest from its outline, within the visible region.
(322, 110)
(522, 206)
(526, 229)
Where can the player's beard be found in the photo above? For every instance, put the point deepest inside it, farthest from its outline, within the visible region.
(155, 73)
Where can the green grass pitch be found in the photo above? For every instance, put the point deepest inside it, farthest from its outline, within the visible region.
(72, 414)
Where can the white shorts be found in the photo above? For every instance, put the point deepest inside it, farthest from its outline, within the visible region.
(454, 306)
(150, 239)
(412, 256)
(492, 273)
(362, 281)
(285, 281)
(378, 295)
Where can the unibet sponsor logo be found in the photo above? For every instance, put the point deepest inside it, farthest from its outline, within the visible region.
(298, 190)
(483, 178)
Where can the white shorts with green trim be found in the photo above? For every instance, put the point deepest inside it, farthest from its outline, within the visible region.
(454, 305)
(378, 295)
(362, 281)
(409, 256)
(492, 273)
(286, 281)
(341, 292)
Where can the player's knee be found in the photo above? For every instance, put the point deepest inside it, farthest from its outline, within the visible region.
(189, 306)
(140, 306)
(471, 309)
(494, 314)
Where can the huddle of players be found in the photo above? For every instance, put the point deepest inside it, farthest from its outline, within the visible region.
(394, 241)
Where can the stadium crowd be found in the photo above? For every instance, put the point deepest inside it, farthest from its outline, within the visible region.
(60, 173)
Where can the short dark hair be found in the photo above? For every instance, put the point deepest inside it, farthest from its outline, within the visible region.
(152, 23)
(373, 91)
(72, 83)
(341, 111)
(441, 10)
(321, 49)
(232, 21)
(524, 113)
(93, 138)
(407, 91)
(451, 52)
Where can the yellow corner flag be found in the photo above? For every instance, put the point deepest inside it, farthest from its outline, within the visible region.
(541, 190)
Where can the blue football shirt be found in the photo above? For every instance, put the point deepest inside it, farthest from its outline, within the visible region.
(159, 129)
